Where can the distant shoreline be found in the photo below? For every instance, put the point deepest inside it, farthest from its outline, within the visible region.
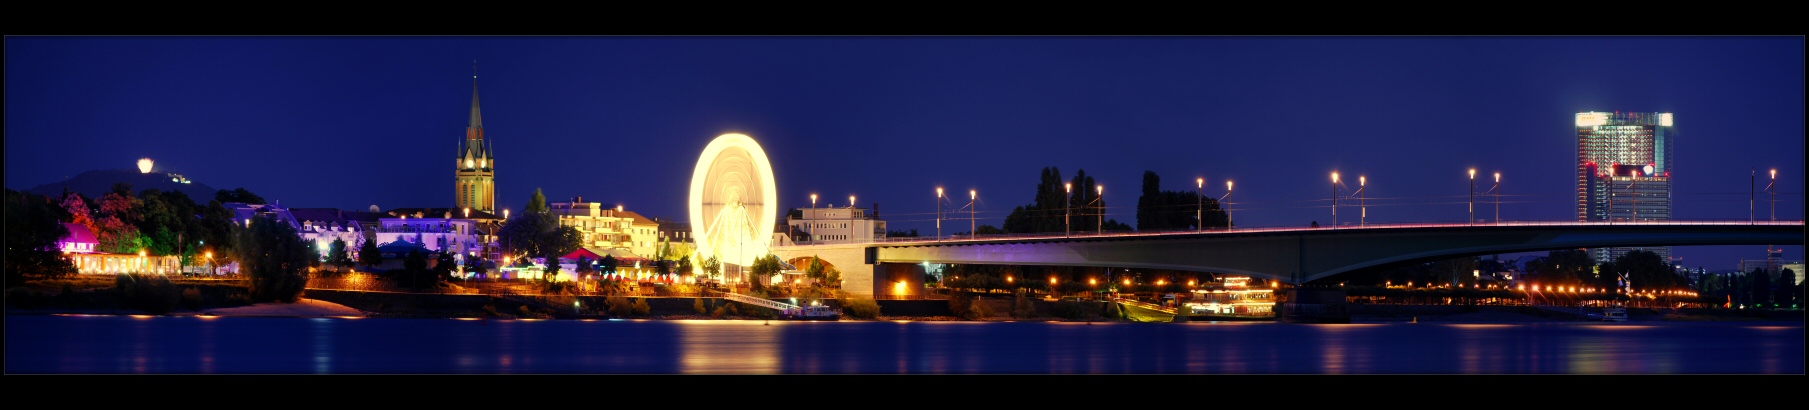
(313, 308)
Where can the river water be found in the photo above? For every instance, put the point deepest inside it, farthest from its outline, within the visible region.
(68, 344)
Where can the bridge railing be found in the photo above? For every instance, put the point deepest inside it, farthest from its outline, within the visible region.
(1044, 235)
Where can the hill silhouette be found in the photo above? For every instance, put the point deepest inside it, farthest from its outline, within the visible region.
(97, 183)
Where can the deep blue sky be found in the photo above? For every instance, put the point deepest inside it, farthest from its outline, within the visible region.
(349, 122)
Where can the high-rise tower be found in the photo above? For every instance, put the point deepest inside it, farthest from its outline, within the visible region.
(1624, 171)
(476, 181)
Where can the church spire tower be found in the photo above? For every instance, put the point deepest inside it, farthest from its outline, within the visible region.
(476, 175)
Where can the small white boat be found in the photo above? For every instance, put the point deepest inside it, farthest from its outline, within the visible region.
(812, 312)
(1614, 314)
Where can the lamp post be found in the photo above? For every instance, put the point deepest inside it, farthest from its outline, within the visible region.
(1472, 196)
(1771, 188)
(1067, 202)
(1334, 200)
(1752, 176)
(813, 200)
(973, 213)
(938, 213)
(1199, 210)
(1227, 201)
(1497, 190)
(1362, 201)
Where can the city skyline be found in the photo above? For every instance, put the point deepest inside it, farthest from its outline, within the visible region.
(357, 121)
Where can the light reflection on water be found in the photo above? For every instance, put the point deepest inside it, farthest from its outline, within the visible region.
(40, 344)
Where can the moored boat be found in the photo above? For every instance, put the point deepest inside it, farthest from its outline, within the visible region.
(813, 312)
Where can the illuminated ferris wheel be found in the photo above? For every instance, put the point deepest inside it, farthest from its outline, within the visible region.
(733, 201)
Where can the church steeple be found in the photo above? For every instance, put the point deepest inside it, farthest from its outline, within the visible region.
(477, 117)
(476, 168)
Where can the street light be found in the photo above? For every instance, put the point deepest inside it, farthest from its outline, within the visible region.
(1770, 188)
(939, 213)
(1227, 201)
(813, 200)
(1334, 200)
(1199, 210)
(1362, 201)
(1472, 196)
(973, 211)
(1497, 191)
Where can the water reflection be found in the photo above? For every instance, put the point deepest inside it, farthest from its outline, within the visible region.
(232, 345)
(728, 347)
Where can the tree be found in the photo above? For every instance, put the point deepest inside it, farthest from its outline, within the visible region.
(537, 203)
(814, 269)
(1173, 210)
(1646, 270)
(608, 265)
(1784, 291)
(414, 269)
(32, 232)
(275, 259)
(713, 267)
(239, 195)
(442, 268)
(683, 266)
(584, 265)
(336, 254)
(1050, 204)
(118, 222)
(763, 269)
(537, 232)
(902, 234)
(216, 231)
(1760, 281)
(79, 213)
(369, 255)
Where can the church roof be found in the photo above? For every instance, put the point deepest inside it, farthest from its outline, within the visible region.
(477, 118)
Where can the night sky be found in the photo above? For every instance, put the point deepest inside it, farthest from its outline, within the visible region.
(348, 122)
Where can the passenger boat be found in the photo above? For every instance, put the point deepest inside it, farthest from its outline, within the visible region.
(1614, 314)
(1228, 300)
(812, 312)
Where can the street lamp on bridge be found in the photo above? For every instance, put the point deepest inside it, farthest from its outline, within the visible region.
(1362, 201)
(938, 213)
(1067, 202)
(1334, 200)
(1472, 196)
(1495, 189)
(1771, 188)
(1227, 201)
(1200, 205)
(973, 211)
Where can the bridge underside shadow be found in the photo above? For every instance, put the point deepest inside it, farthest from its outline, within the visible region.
(1300, 256)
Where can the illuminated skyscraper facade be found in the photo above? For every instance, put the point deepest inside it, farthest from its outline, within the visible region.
(1624, 171)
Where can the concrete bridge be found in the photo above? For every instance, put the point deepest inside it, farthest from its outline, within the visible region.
(895, 267)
